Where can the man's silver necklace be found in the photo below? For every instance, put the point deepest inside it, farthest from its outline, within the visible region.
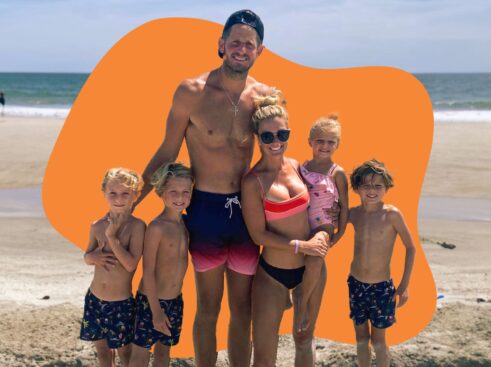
(234, 105)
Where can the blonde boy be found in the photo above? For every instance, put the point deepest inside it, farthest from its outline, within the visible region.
(165, 261)
(115, 247)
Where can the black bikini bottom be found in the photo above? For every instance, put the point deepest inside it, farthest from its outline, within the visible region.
(290, 278)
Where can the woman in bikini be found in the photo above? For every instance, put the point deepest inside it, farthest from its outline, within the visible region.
(274, 204)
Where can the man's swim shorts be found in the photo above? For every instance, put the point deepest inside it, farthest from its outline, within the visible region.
(218, 234)
(145, 334)
(372, 301)
(110, 320)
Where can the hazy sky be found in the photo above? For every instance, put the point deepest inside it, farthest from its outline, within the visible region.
(415, 35)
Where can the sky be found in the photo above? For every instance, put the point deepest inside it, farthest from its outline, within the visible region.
(414, 35)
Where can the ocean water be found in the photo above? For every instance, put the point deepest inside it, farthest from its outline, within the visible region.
(455, 97)
(459, 97)
(40, 94)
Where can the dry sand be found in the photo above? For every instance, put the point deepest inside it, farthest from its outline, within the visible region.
(460, 161)
(37, 262)
(25, 146)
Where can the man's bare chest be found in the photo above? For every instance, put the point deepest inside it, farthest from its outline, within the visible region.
(213, 129)
(217, 117)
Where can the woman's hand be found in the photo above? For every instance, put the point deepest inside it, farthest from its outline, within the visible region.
(316, 246)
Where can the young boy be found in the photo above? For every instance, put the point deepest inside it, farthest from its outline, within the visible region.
(115, 247)
(371, 291)
(165, 260)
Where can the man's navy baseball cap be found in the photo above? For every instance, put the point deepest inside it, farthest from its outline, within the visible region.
(247, 17)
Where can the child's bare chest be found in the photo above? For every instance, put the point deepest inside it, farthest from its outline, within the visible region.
(374, 227)
(123, 237)
(178, 245)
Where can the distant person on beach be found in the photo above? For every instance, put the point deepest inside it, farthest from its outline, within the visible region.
(372, 295)
(115, 248)
(328, 187)
(159, 302)
(2, 100)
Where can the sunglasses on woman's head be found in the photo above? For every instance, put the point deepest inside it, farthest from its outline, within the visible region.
(267, 137)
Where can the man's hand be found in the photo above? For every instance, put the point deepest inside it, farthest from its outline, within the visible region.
(104, 259)
(161, 323)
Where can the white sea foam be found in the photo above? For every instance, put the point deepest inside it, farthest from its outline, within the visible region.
(463, 116)
(25, 111)
(62, 112)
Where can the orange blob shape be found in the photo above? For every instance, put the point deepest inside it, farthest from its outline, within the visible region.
(119, 120)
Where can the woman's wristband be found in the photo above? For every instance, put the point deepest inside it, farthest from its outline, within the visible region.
(296, 244)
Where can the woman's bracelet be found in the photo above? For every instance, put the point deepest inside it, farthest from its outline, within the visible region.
(296, 244)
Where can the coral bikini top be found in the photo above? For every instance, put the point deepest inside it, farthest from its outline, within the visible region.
(275, 210)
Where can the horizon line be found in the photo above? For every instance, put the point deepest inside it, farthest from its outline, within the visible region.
(353, 67)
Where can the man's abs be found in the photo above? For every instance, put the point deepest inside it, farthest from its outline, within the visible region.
(219, 169)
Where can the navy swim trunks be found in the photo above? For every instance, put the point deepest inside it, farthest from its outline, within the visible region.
(218, 234)
(372, 301)
(145, 335)
(110, 320)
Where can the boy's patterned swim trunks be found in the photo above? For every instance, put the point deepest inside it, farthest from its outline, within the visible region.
(110, 320)
(372, 301)
(145, 334)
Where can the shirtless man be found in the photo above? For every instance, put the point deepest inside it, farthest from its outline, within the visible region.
(213, 113)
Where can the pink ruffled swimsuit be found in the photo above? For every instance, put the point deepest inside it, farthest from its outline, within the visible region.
(323, 194)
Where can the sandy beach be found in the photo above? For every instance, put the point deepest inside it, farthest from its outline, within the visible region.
(25, 149)
(43, 278)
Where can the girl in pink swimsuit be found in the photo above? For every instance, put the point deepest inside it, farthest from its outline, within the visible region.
(328, 186)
